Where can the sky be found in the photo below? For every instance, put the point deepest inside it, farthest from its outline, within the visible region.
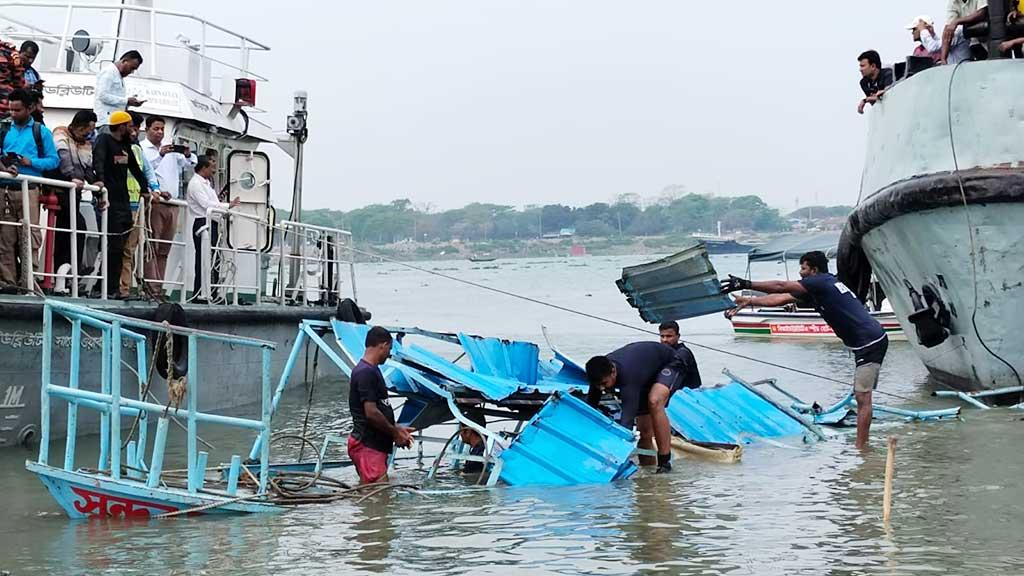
(447, 102)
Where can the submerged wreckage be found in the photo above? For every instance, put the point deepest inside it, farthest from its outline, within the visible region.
(553, 436)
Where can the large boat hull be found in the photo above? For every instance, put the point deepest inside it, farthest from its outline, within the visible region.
(233, 374)
(943, 188)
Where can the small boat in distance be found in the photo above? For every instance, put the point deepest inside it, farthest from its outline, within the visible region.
(482, 258)
(718, 244)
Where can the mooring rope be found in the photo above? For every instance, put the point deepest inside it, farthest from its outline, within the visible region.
(616, 322)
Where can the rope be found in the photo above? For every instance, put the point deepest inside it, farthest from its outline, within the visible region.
(617, 323)
(970, 232)
(309, 399)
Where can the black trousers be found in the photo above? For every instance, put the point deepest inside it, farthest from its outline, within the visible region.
(197, 284)
(119, 224)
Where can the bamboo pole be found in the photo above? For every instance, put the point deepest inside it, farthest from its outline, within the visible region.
(890, 468)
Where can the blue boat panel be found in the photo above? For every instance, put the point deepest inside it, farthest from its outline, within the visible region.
(351, 339)
(492, 387)
(568, 443)
(502, 358)
(680, 286)
(728, 415)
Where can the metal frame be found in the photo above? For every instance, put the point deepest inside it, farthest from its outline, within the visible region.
(245, 43)
(112, 404)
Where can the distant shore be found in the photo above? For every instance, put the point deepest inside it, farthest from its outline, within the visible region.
(531, 248)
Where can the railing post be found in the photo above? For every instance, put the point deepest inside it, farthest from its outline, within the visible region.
(140, 247)
(152, 41)
(191, 392)
(27, 250)
(185, 234)
(140, 358)
(73, 216)
(205, 257)
(76, 360)
(104, 246)
(266, 412)
(236, 465)
(293, 356)
(156, 466)
(105, 389)
(280, 265)
(115, 401)
(302, 266)
(64, 38)
(44, 394)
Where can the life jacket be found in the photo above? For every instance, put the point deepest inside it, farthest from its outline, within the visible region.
(134, 187)
(12, 75)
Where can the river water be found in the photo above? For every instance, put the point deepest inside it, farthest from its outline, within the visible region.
(787, 508)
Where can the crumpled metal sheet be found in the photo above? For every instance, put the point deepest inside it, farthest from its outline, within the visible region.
(568, 443)
(680, 286)
(729, 414)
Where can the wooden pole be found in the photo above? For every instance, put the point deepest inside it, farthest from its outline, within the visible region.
(890, 468)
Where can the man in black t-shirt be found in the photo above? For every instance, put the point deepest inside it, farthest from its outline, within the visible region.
(874, 79)
(644, 375)
(374, 432)
(841, 310)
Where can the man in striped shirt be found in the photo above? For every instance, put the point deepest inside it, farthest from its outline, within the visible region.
(841, 309)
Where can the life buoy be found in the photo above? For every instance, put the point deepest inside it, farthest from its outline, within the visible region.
(174, 315)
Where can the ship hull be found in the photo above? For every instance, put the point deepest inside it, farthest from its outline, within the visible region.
(233, 374)
(897, 253)
(801, 325)
(943, 188)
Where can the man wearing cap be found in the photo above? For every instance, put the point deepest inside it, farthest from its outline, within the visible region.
(923, 31)
(114, 160)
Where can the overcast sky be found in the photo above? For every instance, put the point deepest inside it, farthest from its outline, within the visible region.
(572, 101)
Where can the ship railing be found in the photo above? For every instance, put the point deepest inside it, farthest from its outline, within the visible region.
(292, 282)
(113, 404)
(212, 37)
(30, 254)
(146, 248)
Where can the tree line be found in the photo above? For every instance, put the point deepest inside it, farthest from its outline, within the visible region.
(481, 222)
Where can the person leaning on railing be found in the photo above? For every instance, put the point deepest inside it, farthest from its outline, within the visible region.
(75, 152)
(169, 161)
(134, 201)
(201, 197)
(28, 149)
(113, 160)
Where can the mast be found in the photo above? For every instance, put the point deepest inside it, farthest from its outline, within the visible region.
(299, 133)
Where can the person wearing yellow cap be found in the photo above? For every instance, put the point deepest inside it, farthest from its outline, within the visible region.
(113, 161)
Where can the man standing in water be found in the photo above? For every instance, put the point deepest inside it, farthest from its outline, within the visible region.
(374, 432)
(843, 312)
(644, 375)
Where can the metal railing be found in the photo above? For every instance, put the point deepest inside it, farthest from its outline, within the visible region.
(29, 252)
(243, 46)
(113, 403)
(330, 259)
(293, 283)
(147, 242)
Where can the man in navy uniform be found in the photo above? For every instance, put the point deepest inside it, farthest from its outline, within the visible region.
(843, 312)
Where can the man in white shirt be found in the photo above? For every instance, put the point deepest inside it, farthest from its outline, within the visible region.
(962, 13)
(923, 31)
(110, 91)
(168, 161)
(200, 197)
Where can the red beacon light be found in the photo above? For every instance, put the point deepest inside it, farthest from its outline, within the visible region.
(245, 92)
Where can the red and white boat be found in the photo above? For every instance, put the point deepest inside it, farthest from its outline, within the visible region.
(804, 323)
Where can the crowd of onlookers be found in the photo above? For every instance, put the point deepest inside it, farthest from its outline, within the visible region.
(952, 46)
(110, 147)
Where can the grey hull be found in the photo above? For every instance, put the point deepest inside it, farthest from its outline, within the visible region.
(231, 376)
(943, 188)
